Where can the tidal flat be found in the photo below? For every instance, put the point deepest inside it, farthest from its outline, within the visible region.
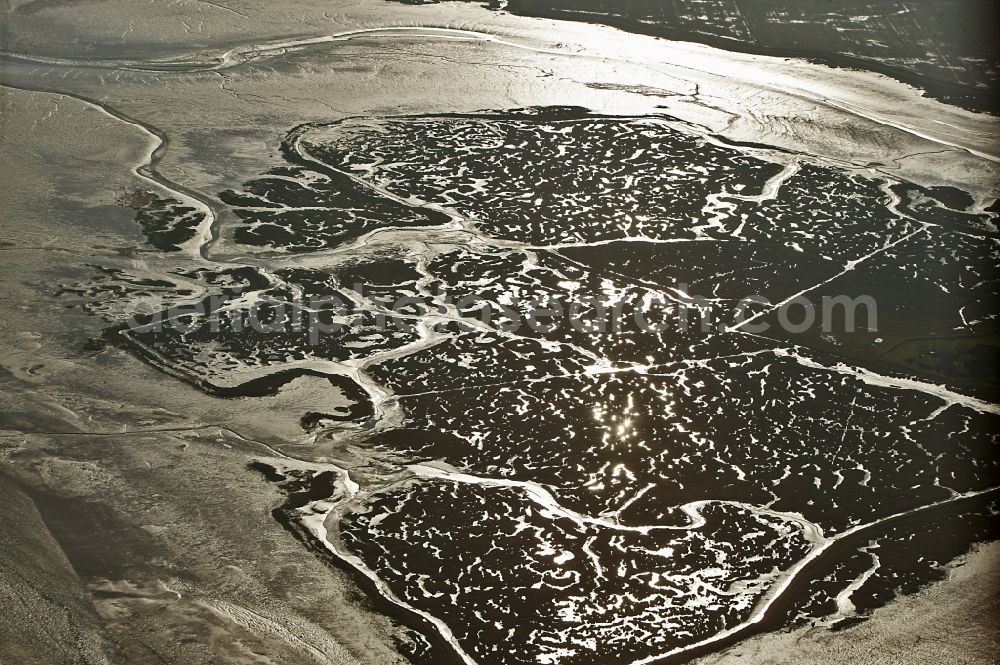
(378, 333)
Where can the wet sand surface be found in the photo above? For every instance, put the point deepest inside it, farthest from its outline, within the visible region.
(421, 481)
(952, 621)
(945, 48)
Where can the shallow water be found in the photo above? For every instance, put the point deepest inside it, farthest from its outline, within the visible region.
(557, 432)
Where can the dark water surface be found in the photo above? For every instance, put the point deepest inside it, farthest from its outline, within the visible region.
(631, 492)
